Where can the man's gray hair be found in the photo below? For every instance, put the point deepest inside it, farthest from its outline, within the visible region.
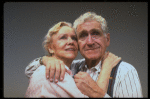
(91, 16)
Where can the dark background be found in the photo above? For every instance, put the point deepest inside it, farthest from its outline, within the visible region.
(26, 24)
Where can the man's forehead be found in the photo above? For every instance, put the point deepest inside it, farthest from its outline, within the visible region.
(90, 22)
(88, 26)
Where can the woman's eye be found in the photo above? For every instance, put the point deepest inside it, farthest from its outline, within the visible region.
(74, 38)
(63, 37)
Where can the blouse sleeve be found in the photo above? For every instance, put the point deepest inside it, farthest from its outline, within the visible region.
(39, 86)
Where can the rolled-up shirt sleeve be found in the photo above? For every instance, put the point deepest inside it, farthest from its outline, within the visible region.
(33, 65)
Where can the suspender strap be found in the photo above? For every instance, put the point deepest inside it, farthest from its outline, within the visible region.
(112, 79)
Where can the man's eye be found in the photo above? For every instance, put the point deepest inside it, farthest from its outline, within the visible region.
(83, 35)
(95, 33)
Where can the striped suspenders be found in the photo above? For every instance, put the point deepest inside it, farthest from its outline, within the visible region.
(112, 79)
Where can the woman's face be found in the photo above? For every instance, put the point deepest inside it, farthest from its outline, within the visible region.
(64, 43)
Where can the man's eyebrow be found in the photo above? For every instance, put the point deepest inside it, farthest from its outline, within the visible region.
(83, 31)
(96, 30)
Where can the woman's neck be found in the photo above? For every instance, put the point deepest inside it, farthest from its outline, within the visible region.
(67, 62)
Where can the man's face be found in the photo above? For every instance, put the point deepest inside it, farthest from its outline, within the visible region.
(92, 42)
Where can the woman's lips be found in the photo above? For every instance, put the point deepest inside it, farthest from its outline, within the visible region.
(70, 49)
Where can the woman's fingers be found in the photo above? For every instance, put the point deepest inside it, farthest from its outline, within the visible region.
(47, 71)
(62, 72)
(52, 71)
(57, 73)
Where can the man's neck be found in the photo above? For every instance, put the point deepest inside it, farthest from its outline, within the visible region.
(91, 63)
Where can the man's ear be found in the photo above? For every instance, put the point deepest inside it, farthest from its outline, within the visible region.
(107, 39)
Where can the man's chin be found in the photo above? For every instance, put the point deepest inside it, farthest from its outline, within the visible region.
(92, 57)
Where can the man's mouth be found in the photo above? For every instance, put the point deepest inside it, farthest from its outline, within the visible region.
(91, 48)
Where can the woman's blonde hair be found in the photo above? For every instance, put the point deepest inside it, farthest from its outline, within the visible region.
(48, 38)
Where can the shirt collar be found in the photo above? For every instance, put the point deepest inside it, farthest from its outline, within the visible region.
(95, 68)
(98, 66)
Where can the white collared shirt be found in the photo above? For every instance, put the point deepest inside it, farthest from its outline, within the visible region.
(94, 71)
(127, 82)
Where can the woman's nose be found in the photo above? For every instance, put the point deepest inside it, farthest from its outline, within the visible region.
(70, 41)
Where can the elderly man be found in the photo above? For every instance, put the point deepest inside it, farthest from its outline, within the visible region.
(93, 39)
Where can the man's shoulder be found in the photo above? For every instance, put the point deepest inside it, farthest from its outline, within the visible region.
(39, 74)
(78, 63)
(125, 67)
(79, 60)
(41, 69)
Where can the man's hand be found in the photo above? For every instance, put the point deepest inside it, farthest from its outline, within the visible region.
(87, 85)
(54, 66)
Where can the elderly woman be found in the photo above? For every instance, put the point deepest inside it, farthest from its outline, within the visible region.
(60, 43)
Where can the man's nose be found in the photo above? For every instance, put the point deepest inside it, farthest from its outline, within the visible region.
(90, 40)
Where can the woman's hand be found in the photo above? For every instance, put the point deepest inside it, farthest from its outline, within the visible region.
(108, 63)
(54, 66)
(110, 60)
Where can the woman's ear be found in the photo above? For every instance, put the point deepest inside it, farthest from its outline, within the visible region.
(51, 49)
